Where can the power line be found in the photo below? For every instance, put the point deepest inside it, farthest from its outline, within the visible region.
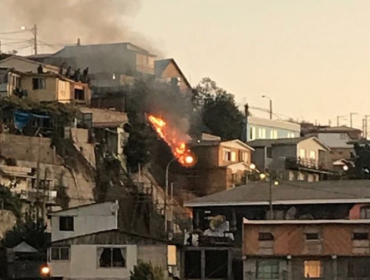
(14, 32)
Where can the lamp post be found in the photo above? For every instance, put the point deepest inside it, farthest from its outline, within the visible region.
(265, 96)
(271, 184)
(166, 193)
(351, 118)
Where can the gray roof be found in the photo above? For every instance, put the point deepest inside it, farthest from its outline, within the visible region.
(289, 193)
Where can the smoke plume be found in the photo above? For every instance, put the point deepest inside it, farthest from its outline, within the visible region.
(63, 21)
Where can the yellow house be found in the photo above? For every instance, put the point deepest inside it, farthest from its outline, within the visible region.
(48, 87)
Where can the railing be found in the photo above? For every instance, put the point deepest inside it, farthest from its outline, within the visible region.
(292, 163)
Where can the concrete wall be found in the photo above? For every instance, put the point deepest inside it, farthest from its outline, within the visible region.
(50, 93)
(28, 148)
(156, 254)
(87, 219)
(84, 260)
(7, 221)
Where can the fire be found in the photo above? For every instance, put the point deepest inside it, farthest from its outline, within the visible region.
(174, 139)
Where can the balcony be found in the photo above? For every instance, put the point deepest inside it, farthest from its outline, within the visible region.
(305, 163)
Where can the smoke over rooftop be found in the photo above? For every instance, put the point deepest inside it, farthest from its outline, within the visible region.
(63, 21)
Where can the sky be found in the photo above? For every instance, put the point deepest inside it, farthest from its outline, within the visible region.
(312, 58)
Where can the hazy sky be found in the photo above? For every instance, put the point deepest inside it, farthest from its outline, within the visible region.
(312, 57)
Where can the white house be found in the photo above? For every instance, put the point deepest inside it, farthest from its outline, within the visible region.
(87, 243)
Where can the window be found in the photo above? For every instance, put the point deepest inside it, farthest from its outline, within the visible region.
(244, 156)
(227, 155)
(38, 83)
(269, 152)
(312, 236)
(365, 213)
(313, 269)
(302, 153)
(66, 224)
(112, 257)
(252, 133)
(262, 133)
(267, 270)
(265, 236)
(233, 156)
(59, 253)
(360, 236)
(275, 134)
(312, 155)
(340, 152)
(358, 268)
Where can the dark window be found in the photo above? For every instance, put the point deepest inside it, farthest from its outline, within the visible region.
(193, 264)
(66, 224)
(216, 264)
(79, 94)
(60, 253)
(269, 152)
(265, 236)
(112, 257)
(38, 83)
(312, 236)
(360, 236)
(267, 270)
(358, 269)
(340, 153)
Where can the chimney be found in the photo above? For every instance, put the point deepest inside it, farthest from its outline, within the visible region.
(78, 42)
(246, 109)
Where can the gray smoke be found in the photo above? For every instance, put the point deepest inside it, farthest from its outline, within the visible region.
(63, 21)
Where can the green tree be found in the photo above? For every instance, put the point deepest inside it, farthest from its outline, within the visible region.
(10, 201)
(145, 271)
(28, 231)
(219, 112)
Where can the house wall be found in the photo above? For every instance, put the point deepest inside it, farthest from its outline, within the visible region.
(207, 156)
(259, 158)
(64, 91)
(87, 219)
(340, 153)
(232, 147)
(156, 254)
(293, 269)
(259, 128)
(50, 93)
(83, 263)
(279, 154)
(289, 239)
(172, 72)
(309, 146)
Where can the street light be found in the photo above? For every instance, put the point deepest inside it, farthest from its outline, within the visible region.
(265, 96)
(252, 166)
(345, 167)
(166, 193)
(45, 271)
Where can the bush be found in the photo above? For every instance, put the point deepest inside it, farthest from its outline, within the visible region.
(145, 271)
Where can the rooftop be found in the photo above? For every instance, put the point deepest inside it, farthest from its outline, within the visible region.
(289, 193)
(282, 141)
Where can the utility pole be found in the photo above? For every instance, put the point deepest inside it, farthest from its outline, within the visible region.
(34, 31)
(265, 96)
(270, 200)
(38, 185)
(351, 118)
(339, 118)
(43, 210)
(365, 130)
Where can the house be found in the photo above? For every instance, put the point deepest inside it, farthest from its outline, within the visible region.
(305, 158)
(255, 128)
(43, 87)
(339, 139)
(304, 249)
(108, 127)
(25, 65)
(326, 200)
(353, 133)
(167, 70)
(92, 231)
(220, 165)
(110, 65)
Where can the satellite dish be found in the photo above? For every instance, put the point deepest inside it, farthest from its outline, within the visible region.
(114, 208)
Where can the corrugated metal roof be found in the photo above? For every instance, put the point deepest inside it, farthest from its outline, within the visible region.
(289, 193)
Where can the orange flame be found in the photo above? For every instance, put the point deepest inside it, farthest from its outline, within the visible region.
(174, 139)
